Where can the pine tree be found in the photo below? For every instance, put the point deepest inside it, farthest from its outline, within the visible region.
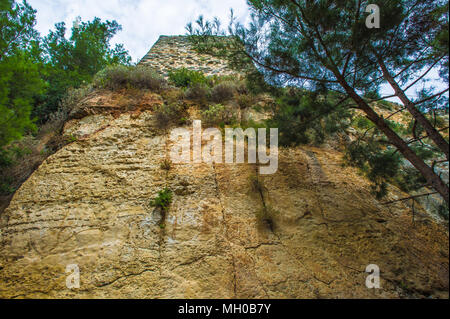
(327, 44)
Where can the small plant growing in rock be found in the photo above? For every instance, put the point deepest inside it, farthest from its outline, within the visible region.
(266, 217)
(166, 165)
(163, 200)
(70, 138)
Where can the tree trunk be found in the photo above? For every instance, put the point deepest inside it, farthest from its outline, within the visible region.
(421, 119)
(427, 172)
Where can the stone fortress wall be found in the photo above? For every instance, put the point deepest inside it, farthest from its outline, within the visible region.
(173, 52)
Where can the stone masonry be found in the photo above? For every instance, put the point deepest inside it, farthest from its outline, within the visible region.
(173, 52)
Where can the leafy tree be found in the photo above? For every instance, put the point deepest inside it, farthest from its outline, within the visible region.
(74, 61)
(326, 44)
(20, 80)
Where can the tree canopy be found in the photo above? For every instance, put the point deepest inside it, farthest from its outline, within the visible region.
(35, 72)
(325, 45)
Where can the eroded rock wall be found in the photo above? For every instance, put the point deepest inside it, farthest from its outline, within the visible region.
(88, 204)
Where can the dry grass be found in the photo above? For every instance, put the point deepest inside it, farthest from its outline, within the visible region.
(123, 77)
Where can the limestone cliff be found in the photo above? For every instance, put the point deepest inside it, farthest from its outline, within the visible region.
(89, 204)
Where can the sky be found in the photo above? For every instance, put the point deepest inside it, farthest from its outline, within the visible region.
(143, 21)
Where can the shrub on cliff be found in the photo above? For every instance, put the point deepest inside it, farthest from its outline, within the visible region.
(186, 78)
(198, 93)
(217, 114)
(173, 113)
(223, 92)
(126, 77)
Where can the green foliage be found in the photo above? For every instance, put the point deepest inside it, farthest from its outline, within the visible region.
(125, 77)
(397, 127)
(17, 23)
(304, 117)
(74, 61)
(378, 164)
(362, 122)
(186, 78)
(408, 179)
(9, 155)
(20, 80)
(163, 200)
(217, 114)
(19, 84)
(5, 186)
(443, 211)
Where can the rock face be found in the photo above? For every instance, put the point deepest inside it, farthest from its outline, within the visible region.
(89, 205)
(172, 52)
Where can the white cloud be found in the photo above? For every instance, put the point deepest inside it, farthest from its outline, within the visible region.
(143, 21)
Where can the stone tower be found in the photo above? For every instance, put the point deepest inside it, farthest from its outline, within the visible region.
(173, 52)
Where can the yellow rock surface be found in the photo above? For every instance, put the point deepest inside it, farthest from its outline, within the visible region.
(88, 204)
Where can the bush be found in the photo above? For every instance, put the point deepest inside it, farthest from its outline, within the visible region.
(223, 92)
(167, 114)
(245, 100)
(173, 95)
(66, 107)
(186, 78)
(198, 93)
(217, 114)
(126, 77)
